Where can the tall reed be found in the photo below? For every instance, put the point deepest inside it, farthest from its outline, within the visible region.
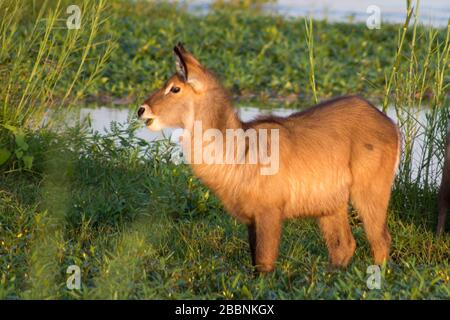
(37, 60)
(309, 37)
(416, 91)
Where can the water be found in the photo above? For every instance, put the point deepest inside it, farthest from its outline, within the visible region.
(101, 118)
(431, 12)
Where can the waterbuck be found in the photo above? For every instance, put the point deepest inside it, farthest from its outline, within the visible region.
(444, 190)
(338, 151)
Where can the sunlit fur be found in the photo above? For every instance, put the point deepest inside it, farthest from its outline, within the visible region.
(340, 151)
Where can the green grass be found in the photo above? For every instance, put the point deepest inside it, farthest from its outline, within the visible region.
(140, 226)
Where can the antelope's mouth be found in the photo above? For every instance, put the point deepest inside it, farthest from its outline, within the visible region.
(149, 121)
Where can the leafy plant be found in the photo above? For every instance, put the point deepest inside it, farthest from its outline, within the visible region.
(19, 150)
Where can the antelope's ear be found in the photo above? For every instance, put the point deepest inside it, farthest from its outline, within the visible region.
(197, 83)
(195, 78)
(180, 62)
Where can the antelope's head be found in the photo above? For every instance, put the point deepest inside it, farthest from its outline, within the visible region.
(173, 106)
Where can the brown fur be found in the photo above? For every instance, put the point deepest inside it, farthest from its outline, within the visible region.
(338, 151)
(444, 190)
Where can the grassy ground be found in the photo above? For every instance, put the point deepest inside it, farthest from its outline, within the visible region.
(140, 226)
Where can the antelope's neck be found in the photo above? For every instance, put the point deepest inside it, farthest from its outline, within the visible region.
(204, 146)
(218, 114)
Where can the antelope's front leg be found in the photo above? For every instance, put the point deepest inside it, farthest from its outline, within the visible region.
(267, 227)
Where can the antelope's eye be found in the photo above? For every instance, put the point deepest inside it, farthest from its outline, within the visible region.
(175, 89)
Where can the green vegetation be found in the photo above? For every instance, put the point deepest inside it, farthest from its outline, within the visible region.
(140, 226)
(43, 64)
(257, 57)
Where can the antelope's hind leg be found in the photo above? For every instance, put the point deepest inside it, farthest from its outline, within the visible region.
(338, 236)
(372, 205)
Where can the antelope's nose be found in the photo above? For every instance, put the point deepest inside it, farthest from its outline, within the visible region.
(141, 110)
